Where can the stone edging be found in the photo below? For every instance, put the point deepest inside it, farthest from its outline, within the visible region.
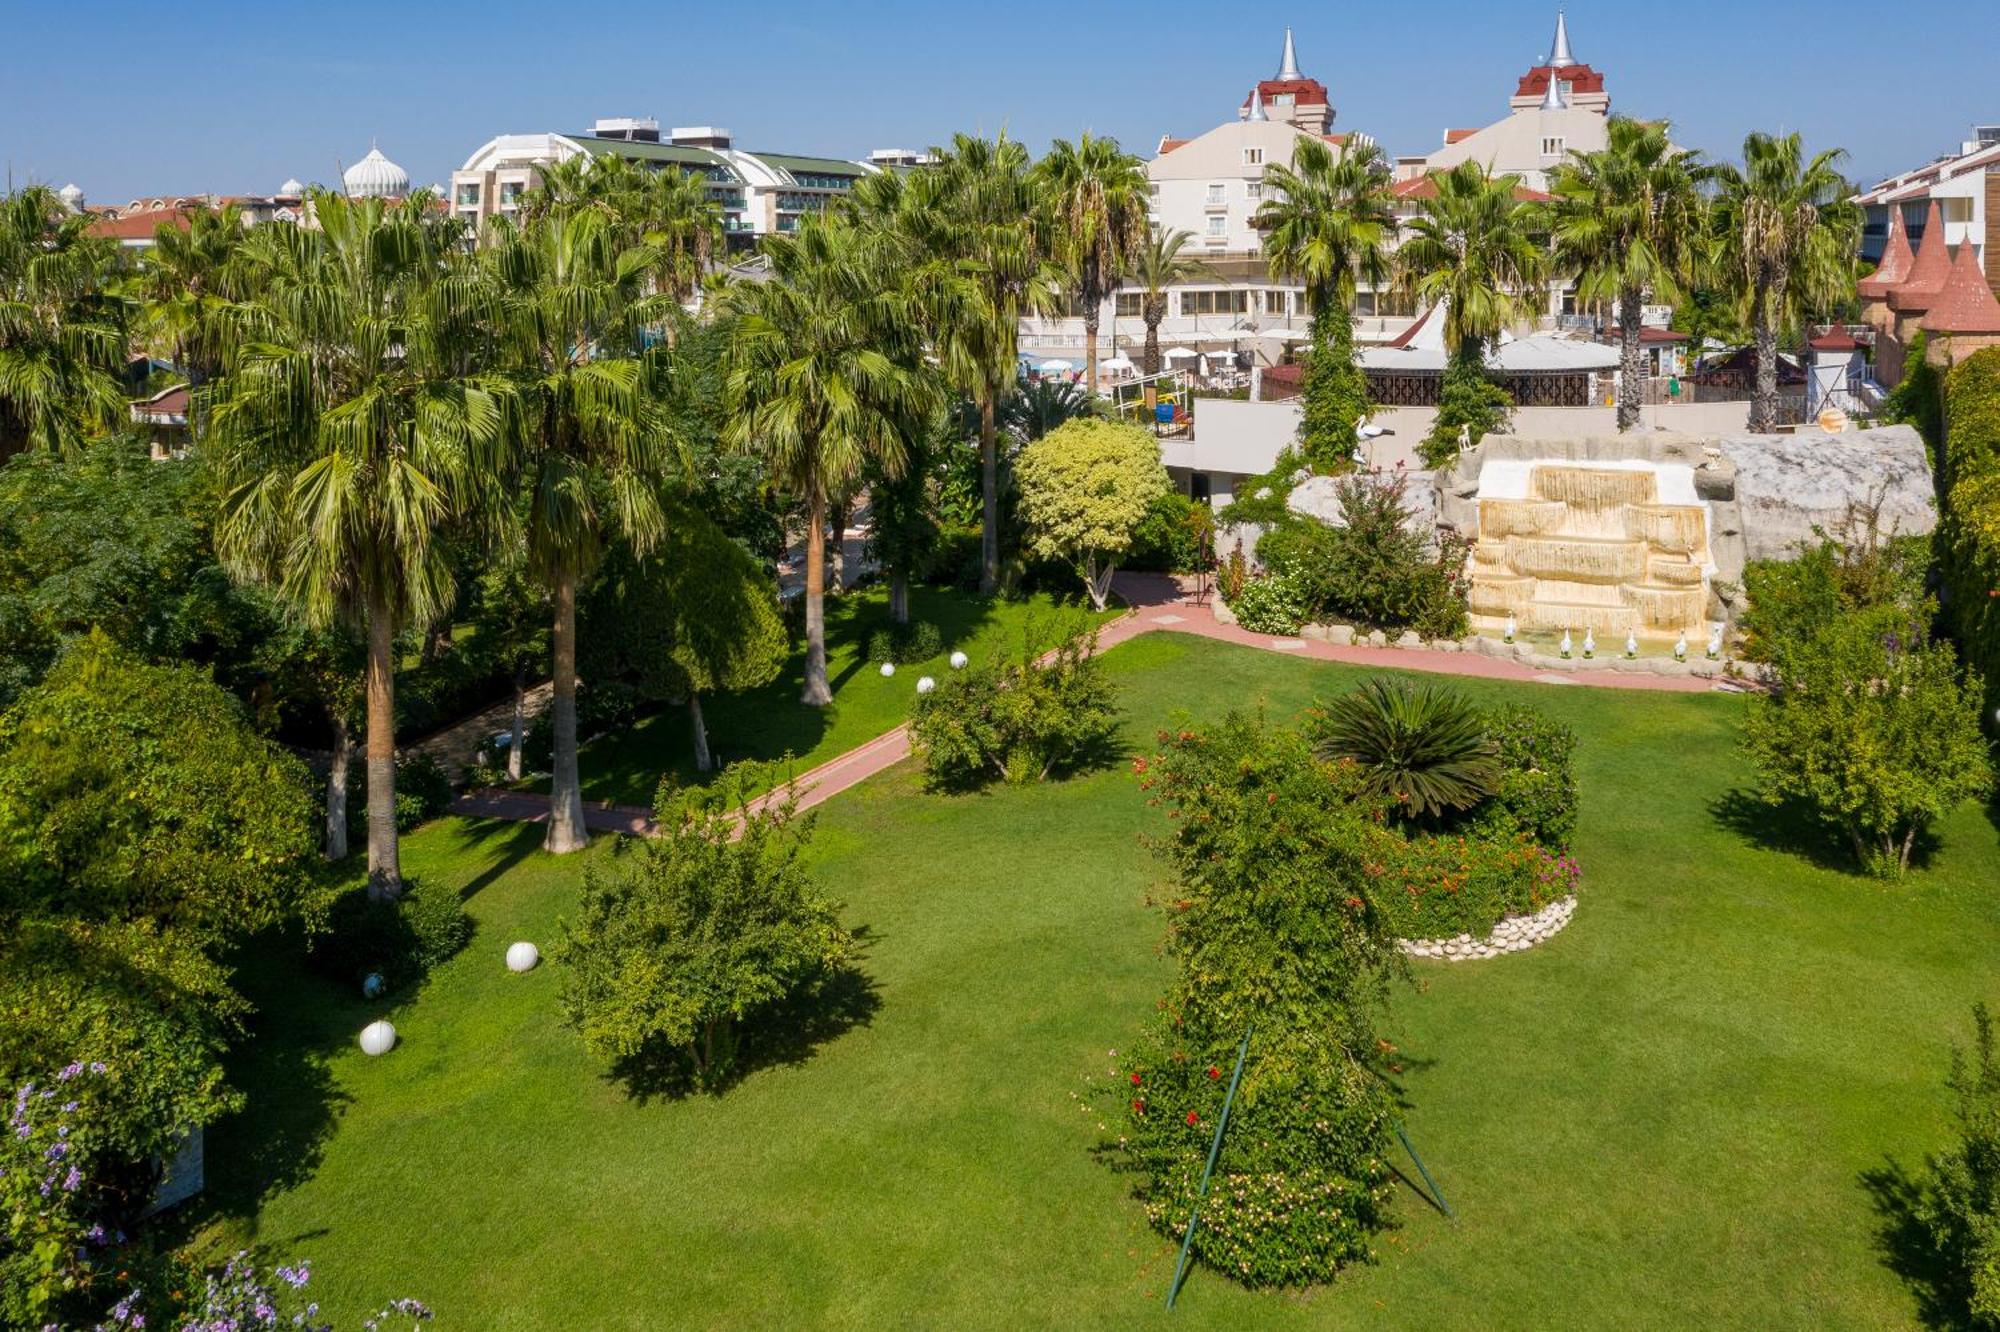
(1513, 934)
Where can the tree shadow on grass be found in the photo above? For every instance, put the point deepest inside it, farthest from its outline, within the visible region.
(1908, 1249)
(512, 843)
(786, 1034)
(1792, 829)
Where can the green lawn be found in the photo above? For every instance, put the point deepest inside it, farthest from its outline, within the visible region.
(770, 723)
(1662, 1118)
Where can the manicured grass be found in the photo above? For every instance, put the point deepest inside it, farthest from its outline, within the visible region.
(1662, 1118)
(770, 723)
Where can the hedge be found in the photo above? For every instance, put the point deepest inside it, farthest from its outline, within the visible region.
(1968, 540)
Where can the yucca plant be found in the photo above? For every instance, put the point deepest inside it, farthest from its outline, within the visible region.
(1422, 748)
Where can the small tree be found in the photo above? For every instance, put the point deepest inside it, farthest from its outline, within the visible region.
(1020, 721)
(1085, 488)
(1960, 1202)
(708, 930)
(1470, 407)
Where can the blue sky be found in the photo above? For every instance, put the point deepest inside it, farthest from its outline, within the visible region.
(130, 99)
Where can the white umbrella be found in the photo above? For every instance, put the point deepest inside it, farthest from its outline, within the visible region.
(1056, 366)
(1180, 353)
(1116, 363)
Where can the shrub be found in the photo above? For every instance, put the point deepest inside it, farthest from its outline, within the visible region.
(423, 792)
(707, 933)
(1373, 568)
(905, 643)
(1435, 887)
(1968, 537)
(1271, 603)
(1537, 794)
(1261, 499)
(1177, 535)
(1959, 1204)
(1044, 713)
(601, 707)
(400, 941)
(1270, 923)
(1086, 486)
(1421, 750)
(1469, 402)
(1233, 575)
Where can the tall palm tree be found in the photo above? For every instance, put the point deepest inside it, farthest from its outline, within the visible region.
(62, 340)
(682, 223)
(349, 438)
(1627, 220)
(826, 373)
(1327, 222)
(1157, 266)
(1095, 196)
(1473, 249)
(1787, 233)
(573, 309)
(184, 285)
(980, 202)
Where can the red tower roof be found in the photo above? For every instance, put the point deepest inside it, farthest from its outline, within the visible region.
(1928, 272)
(1306, 92)
(1896, 260)
(1580, 78)
(1966, 304)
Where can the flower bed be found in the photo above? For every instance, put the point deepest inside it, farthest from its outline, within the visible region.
(1514, 934)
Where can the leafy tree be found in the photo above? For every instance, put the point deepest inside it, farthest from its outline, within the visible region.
(1378, 565)
(704, 935)
(1627, 219)
(1085, 488)
(573, 309)
(1788, 233)
(1422, 749)
(1096, 197)
(1048, 710)
(1473, 256)
(62, 338)
(694, 616)
(826, 374)
(1327, 221)
(350, 439)
(1960, 1202)
(903, 534)
(1157, 266)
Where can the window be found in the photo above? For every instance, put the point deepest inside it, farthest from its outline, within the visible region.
(1215, 193)
(468, 194)
(1253, 157)
(1128, 304)
(1216, 224)
(1274, 302)
(1253, 190)
(1235, 301)
(1552, 145)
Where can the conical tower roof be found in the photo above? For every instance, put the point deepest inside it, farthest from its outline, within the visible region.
(1896, 260)
(1559, 53)
(1288, 67)
(1256, 105)
(1966, 304)
(1928, 271)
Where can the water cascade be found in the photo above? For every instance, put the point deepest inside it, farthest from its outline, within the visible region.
(1616, 547)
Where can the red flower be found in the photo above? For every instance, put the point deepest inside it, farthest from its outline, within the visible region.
(1135, 1079)
(1214, 1072)
(1193, 1118)
(1139, 1106)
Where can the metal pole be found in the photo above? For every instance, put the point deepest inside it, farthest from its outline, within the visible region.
(1429, 1183)
(1214, 1150)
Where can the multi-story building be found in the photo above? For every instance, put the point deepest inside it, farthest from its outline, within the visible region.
(1965, 186)
(759, 193)
(1943, 293)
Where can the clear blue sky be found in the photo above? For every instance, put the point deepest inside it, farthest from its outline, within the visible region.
(130, 99)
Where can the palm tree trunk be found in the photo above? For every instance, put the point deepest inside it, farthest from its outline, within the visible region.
(1764, 398)
(817, 692)
(1631, 384)
(1090, 345)
(899, 596)
(837, 554)
(566, 827)
(1153, 344)
(517, 738)
(336, 789)
(704, 760)
(989, 488)
(385, 869)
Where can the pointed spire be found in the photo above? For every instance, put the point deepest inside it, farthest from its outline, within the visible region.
(1553, 99)
(1288, 68)
(1930, 269)
(1896, 260)
(1256, 105)
(1966, 304)
(1559, 54)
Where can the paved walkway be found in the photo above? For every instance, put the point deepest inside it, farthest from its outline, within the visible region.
(1158, 602)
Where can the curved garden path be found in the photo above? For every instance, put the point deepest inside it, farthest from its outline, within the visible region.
(1158, 602)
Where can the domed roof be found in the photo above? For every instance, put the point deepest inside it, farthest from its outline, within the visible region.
(292, 188)
(375, 177)
(71, 195)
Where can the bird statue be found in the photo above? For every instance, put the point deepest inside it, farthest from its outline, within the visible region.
(1715, 643)
(1510, 629)
(1681, 647)
(1565, 645)
(1631, 644)
(1589, 644)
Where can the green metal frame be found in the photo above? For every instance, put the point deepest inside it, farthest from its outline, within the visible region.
(1214, 1150)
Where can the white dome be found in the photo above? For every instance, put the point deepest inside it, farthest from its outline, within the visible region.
(292, 188)
(72, 196)
(375, 177)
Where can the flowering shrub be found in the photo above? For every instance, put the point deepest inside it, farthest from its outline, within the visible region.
(1271, 603)
(243, 1298)
(1435, 887)
(46, 1235)
(1538, 792)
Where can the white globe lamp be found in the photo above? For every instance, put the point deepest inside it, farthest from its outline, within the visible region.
(377, 1038)
(522, 956)
(925, 685)
(888, 669)
(958, 660)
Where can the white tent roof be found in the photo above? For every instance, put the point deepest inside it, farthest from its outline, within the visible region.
(1423, 350)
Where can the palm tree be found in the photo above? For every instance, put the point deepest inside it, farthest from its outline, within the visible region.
(1787, 234)
(186, 281)
(1627, 220)
(1095, 195)
(682, 223)
(826, 374)
(1327, 222)
(1421, 748)
(1157, 266)
(594, 445)
(62, 343)
(976, 208)
(349, 438)
(1472, 249)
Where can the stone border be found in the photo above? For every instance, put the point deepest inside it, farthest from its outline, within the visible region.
(1514, 934)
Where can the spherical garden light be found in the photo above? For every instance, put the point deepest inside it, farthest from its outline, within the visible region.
(522, 956)
(378, 1038)
(958, 660)
(925, 685)
(888, 669)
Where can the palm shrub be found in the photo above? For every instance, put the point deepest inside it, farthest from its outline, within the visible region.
(1960, 1202)
(1422, 749)
(1046, 711)
(1272, 925)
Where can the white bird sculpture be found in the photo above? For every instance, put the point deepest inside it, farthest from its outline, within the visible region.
(1681, 647)
(1510, 628)
(1589, 643)
(1565, 644)
(1631, 644)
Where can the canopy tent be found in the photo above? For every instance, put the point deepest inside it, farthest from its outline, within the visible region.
(1119, 362)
